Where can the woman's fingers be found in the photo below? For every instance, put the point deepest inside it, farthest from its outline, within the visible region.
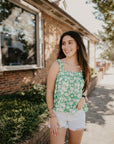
(78, 107)
(54, 125)
(54, 131)
(80, 104)
(58, 124)
(51, 130)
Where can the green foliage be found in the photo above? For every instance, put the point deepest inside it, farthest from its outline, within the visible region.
(108, 55)
(93, 71)
(104, 10)
(21, 113)
(37, 92)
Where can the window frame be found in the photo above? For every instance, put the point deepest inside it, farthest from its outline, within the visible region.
(39, 40)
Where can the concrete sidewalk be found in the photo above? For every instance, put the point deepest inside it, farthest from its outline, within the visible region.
(100, 117)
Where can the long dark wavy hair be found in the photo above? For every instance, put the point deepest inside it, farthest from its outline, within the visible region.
(81, 56)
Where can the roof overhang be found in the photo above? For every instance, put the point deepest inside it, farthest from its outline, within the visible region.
(59, 14)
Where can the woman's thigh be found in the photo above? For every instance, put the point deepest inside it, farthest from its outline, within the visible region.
(76, 128)
(59, 139)
(75, 137)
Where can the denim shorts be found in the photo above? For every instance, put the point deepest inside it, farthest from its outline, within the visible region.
(73, 122)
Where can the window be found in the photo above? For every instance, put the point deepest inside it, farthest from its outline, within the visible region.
(86, 43)
(21, 39)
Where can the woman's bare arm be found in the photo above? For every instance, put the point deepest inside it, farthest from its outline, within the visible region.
(52, 74)
(85, 93)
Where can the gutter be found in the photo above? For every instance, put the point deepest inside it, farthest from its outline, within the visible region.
(56, 12)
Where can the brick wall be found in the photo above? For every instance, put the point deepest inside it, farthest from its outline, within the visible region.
(52, 31)
(12, 81)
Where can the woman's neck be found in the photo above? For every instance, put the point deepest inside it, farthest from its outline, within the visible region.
(72, 60)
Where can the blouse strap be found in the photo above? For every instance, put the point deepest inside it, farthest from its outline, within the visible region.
(60, 64)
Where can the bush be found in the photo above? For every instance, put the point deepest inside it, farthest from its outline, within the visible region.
(34, 92)
(21, 113)
(93, 71)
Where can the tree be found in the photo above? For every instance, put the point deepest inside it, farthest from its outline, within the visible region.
(104, 10)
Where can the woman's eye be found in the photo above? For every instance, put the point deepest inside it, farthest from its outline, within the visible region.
(63, 43)
(70, 42)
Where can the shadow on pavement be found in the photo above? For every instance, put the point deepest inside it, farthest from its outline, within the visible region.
(100, 103)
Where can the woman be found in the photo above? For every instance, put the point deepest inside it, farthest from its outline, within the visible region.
(67, 83)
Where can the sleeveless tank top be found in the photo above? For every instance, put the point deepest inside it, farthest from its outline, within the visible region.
(68, 90)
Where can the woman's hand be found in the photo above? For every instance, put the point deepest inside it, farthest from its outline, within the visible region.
(53, 125)
(80, 104)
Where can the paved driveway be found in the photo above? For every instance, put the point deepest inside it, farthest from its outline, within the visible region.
(100, 117)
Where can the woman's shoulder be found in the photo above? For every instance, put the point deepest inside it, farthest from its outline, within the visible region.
(54, 66)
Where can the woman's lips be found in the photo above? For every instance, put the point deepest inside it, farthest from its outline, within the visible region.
(67, 52)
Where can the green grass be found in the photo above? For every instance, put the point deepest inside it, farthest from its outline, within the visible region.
(21, 114)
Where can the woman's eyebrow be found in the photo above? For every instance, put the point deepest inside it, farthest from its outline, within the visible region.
(71, 40)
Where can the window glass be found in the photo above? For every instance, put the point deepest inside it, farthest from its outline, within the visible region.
(86, 44)
(17, 35)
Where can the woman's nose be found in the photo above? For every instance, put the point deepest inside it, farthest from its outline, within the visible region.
(66, 46)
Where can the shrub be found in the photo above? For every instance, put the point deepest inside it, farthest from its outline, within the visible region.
(93, 71)
(21, 113)
(34, 93)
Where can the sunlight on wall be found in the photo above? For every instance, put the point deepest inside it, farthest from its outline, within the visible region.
(50, 42)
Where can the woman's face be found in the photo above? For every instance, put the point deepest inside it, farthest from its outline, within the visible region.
(69, 46)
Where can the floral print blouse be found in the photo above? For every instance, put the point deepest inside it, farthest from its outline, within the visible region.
(68, 90)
